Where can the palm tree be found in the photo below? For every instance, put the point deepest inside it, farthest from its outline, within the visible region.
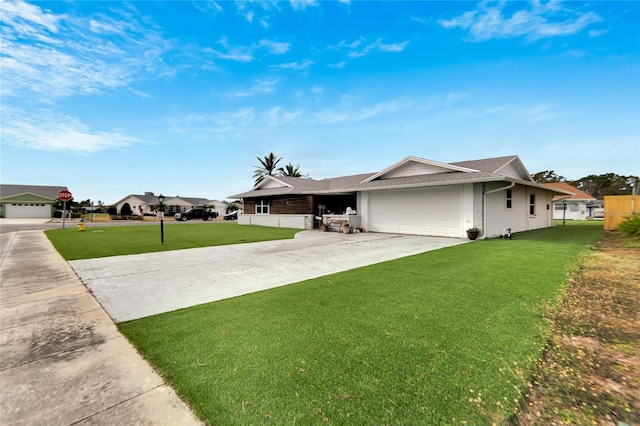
(267, 165)
(290, 170)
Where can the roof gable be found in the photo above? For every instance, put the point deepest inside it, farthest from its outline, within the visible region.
(509, 166)
(49, 192)
(27, 197)
(414, 166)
(271, 181)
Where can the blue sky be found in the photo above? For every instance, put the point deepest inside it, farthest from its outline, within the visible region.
(112, 98)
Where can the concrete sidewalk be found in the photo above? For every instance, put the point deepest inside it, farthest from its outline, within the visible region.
(62, 360)
(135, 286)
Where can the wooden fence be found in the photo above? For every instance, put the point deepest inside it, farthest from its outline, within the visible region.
(618, 207)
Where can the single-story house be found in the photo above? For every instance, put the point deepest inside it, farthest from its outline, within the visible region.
(147, 204)
(28, 201)
(575, 206)
(413, 196)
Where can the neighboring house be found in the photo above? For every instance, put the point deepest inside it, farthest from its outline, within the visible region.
(147, 203)
(140, 204)
(218, 206)
(412, 196)
(28, 201)
(576, 206)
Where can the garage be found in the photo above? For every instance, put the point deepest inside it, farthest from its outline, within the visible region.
(27, 210)
(420, 211)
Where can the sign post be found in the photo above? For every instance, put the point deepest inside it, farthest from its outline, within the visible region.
(64, 196)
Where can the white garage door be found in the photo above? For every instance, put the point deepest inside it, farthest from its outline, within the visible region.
(424, 211)
(27, 210)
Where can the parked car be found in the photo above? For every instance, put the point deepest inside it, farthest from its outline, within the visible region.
(196, 214)
(231, 216)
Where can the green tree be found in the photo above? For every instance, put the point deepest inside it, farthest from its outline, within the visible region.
(606, 184)
(548, 176)
(290, 170)
(267, 166)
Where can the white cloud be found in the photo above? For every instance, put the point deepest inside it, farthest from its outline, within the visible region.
(52, 56)
(295, 66)
(48, 130)
(338, 65)
(275, 117)
(420, 20)
(540, 21)
(224, 126)
(21, 16)
(207, 6)
(346, 114)
(302, 4)
(140, 93)
(355, 49)
(247, 53)
(274, 47)
(221, 123)
(260, 87)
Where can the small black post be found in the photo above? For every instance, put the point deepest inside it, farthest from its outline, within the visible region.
(161, 212)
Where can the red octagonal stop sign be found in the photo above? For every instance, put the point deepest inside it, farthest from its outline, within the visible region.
(64, 195)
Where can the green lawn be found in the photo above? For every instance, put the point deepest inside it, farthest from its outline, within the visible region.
(438, 338)
(119, 240)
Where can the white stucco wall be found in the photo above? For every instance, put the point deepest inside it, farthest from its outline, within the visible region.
(294, 221)
(498, 216)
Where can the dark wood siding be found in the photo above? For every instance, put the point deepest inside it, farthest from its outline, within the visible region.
(294, 204)
(249, 206)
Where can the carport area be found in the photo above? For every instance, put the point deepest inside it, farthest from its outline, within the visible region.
(136, 286)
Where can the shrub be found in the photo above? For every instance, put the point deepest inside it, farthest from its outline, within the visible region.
(631, 225)
(112, 211)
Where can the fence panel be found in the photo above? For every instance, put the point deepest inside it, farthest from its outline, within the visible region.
(617, 207)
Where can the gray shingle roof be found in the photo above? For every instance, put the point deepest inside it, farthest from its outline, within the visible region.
(487, 165)
(485, 170)
(43, 191)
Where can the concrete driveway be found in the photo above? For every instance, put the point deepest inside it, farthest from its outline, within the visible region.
(135, 286)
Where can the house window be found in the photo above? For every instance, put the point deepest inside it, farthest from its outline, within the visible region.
(262, 207)
(509, 196)
(532, 204)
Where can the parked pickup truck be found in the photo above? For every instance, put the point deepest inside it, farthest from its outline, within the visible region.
(196, 214)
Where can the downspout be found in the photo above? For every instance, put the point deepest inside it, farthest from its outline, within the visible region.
(484, 208)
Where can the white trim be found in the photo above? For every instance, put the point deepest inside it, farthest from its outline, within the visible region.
(418, 160)
(263, 182)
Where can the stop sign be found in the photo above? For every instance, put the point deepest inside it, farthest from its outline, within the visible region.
(64, 195)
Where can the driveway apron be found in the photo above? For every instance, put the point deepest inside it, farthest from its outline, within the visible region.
(136, 286)
(62, 360)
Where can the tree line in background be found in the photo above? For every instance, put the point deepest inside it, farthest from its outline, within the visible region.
(596, 185)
